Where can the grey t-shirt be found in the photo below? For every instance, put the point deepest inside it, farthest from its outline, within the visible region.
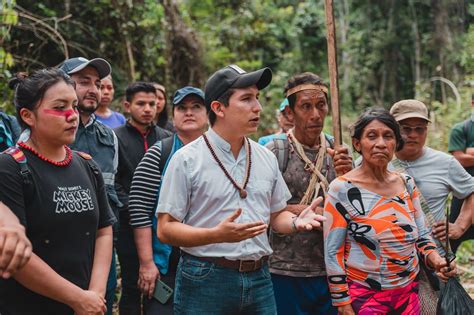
(437, 174)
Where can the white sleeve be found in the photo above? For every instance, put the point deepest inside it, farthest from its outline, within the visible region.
(176, 187)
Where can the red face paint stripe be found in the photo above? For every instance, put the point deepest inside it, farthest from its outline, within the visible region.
(57, 112)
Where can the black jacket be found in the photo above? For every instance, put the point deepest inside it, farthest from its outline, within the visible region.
(132, 146)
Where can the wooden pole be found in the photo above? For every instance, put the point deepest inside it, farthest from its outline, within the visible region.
(332, 65)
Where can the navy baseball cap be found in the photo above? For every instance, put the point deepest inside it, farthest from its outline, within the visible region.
(234, 77)
(74, 65)
(180, 94)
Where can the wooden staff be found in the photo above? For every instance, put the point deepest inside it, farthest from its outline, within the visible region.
(332, 65)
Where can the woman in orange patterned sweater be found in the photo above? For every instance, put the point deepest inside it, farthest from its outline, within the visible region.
(376, 228)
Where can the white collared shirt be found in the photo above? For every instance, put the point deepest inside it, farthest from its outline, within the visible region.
(196, 191)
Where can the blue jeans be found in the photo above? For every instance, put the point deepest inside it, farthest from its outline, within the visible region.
(205, 288)
(302, 296)
(111, 285)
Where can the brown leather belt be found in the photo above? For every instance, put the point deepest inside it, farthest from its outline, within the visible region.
(240, 265)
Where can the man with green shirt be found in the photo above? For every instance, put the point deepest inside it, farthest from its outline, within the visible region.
(461, 146)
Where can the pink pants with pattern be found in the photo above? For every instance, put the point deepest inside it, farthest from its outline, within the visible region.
(402, 301)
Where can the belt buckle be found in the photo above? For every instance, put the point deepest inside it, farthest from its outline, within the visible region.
(247, 265)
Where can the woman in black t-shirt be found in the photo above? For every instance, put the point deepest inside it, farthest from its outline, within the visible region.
(62, 204)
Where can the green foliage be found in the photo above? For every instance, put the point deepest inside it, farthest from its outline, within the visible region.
(8, 18)
(464, 253)
(105, 28)
(387, 50)
(466, 57)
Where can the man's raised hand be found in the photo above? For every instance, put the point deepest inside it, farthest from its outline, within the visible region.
(308, 219)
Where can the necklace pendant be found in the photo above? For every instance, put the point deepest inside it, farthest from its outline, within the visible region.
(242, 193)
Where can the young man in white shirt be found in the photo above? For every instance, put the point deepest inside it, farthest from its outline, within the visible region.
(219, 195)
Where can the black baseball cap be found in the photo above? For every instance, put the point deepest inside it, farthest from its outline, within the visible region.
(74, 65)
(180, 94)
(234, 77)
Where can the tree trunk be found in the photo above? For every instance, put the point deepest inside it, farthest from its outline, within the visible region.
(445, 32)
(131, 58)
(184, 55)
(387, 64)
(416, 38)
(127, 41)
(67, 7)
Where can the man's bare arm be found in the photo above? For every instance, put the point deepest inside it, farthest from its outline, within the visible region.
(148, 272)
(466, 214)
(466, 159)
(462, 224)
(296, 209)
(173, 232)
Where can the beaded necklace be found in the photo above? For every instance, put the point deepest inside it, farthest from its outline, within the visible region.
(67, 160)
(248, 166)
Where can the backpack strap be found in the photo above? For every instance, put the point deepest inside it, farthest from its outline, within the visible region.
(166, 147)
(282, 152)
(20, 159)
(163, 133)
(330, 139)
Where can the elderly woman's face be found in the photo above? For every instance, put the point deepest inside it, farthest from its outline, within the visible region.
(377, 143)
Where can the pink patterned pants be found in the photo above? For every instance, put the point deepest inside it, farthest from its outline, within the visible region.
(402, 301)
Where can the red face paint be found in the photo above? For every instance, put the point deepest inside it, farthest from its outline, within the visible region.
(58, 112)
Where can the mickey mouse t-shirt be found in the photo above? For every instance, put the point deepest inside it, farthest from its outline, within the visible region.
(61, 210)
